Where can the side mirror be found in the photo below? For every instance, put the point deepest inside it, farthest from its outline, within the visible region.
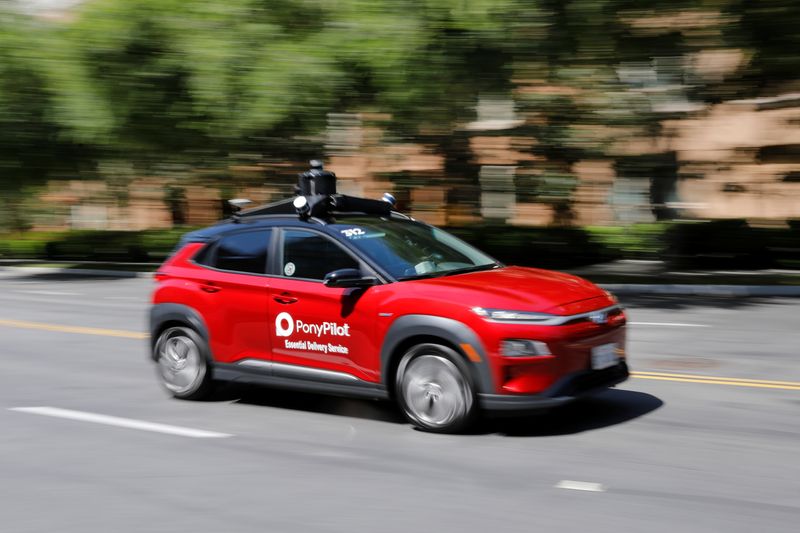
(348, 278)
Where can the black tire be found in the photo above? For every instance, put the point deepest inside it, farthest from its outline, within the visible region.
(183, 363)
(434, 390)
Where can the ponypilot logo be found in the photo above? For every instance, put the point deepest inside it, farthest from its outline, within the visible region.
(285, 325)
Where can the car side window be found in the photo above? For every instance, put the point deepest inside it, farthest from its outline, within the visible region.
(311, 255)
(243, 252)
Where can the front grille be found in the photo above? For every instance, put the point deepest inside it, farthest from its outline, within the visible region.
(611, 319)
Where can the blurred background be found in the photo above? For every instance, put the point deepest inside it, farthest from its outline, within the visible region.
(650, 146)
(578, 131)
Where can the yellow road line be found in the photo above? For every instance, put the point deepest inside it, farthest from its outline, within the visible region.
(719, 381)
(74, 329)
(698, 376)
(661, 376)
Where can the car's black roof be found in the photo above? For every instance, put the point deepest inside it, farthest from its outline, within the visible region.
(255, 220)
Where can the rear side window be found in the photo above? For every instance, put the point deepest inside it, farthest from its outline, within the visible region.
(242, 252)
(311, 255)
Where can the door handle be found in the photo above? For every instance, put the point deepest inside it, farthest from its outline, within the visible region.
(284, 298)
(208, 286)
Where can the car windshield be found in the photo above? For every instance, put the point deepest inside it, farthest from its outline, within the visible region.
(410, 250)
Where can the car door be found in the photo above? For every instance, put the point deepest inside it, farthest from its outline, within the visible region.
(314, 326)
(235, 293)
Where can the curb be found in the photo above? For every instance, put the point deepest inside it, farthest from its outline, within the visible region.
(118, 274)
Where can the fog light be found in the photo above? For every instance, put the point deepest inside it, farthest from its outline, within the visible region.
(523, 348)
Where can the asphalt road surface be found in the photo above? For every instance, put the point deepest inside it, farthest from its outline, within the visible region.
(704, 437)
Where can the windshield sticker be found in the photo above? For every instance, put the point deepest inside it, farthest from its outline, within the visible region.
(353, 232)
(289, 269)
(360, 233)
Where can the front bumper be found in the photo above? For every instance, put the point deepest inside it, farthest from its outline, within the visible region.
(562, 391)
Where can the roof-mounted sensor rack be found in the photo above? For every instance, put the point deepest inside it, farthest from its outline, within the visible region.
(317, 197)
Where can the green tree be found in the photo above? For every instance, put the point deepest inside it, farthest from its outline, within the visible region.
(39, 122)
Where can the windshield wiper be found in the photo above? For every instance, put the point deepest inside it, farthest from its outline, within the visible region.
(466, 270)
(421, 276)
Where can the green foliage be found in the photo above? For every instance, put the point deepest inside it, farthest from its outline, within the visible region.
(90, 245)
(685, 245)
(144, 84)
(25, 245)
(636, 241)
(543, 247)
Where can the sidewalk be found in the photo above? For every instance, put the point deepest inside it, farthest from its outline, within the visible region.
(654, 277)
(628, 277)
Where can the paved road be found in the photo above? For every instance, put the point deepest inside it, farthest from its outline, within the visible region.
(663, 452)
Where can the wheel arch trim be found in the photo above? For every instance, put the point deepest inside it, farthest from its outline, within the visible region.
(452, 331)
(161, 314)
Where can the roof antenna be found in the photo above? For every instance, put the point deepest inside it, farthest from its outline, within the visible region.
(389, 199)
(237, 204)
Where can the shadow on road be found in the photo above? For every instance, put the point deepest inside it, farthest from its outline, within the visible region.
(609, 408)
(314, 403)
(602, 410)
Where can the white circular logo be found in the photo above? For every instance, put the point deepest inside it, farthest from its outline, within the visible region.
(284, 324)
(289, 269)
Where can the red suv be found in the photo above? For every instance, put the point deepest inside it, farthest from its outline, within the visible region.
(342, 295)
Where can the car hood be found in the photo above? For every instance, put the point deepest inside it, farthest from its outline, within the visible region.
(518, 288)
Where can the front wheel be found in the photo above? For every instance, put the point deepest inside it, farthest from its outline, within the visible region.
(182, 363)
(434, 389)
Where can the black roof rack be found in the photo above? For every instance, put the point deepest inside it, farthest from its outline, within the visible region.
(281, 207)
(317, 197)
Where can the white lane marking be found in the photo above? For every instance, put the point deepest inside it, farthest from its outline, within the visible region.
(580, 485)
(51, 293)
(121, 422)
(670, 324)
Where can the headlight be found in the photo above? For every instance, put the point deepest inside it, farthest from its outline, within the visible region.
(502, 315)
(523, 348)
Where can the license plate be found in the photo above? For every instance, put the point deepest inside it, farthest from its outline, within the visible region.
(604, 356)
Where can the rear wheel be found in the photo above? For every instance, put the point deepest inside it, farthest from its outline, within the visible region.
(182, 363)
(434, 389)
